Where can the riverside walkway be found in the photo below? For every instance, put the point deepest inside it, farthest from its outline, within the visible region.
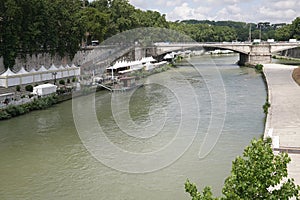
(283, 121)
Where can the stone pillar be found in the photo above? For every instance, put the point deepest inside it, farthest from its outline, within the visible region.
(139, 53)
(244, 59)
(260, 54)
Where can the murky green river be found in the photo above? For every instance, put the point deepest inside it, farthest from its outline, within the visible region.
(190, 122)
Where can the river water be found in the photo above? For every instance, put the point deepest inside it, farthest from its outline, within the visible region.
(45, 155)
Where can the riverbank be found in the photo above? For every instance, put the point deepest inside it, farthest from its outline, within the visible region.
(41, 103)
(283, 120)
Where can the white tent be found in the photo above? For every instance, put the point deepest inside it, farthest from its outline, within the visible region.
(168, 56)
(77, 71)
(42, 69)
(65, 73)
(22, 71)
(148, 60)
(53, 68)
(44, 89)
(9, 78)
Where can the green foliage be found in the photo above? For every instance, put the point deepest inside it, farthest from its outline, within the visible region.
(255, 175)
(259, 170)
(29, 27)
(73, 79)
(259, 68)
(205, 32)
(59, 26)
(283, 34)
(29, 88)
(18, 88)
(266, 107)
(295, 29)
(193, 191)
(62, 82)
(36, 104)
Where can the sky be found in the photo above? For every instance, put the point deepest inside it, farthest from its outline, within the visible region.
(274, 11)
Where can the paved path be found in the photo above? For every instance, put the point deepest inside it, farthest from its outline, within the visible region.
(284, 115)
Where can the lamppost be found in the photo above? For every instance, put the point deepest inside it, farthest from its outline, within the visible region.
(54, 74)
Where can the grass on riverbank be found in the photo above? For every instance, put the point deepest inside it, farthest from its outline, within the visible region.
(296, 75)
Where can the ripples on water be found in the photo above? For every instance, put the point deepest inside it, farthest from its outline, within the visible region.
(42, 157)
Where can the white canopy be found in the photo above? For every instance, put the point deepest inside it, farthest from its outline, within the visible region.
(9, 78)
(8, 72)
(148, 59)
(119, 64)
(22, 71)
(168, 56)
(53, 68)
(42, 69)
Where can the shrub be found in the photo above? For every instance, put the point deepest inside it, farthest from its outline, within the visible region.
(36, 104)
(68, 81)
(4, 115)
(18, 88)
(259, 68)
(73, 79)
(266, 107)
(29, 88)
(62, 82)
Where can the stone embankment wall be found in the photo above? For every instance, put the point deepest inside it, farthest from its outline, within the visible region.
(46, 60)
(294, 53)
(103, 56)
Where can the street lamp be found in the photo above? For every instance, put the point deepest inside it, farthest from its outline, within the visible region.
(54, 74)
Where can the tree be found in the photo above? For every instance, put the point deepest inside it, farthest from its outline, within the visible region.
(296, 28)
(255, 175)
(94, 22)
(283, 34)
(193, 191)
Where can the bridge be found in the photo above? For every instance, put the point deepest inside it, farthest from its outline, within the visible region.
(250, 53)
(100, 57)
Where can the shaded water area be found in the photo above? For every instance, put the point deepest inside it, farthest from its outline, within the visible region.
(42, 155)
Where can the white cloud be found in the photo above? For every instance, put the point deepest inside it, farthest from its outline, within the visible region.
(284, 14)
(285, 4)
(173, 3)
(274, 11)
(232, 1)
(139, 3)
(234, 9)
(184, 11)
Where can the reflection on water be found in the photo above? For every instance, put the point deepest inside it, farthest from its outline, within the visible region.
(42, 157)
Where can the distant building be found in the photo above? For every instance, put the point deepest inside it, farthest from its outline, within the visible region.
(263, 25)
(279, 25)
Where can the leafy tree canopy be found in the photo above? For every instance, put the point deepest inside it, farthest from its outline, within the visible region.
(258, 174)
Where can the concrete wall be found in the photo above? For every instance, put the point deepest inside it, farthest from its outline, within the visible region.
(294, 53)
